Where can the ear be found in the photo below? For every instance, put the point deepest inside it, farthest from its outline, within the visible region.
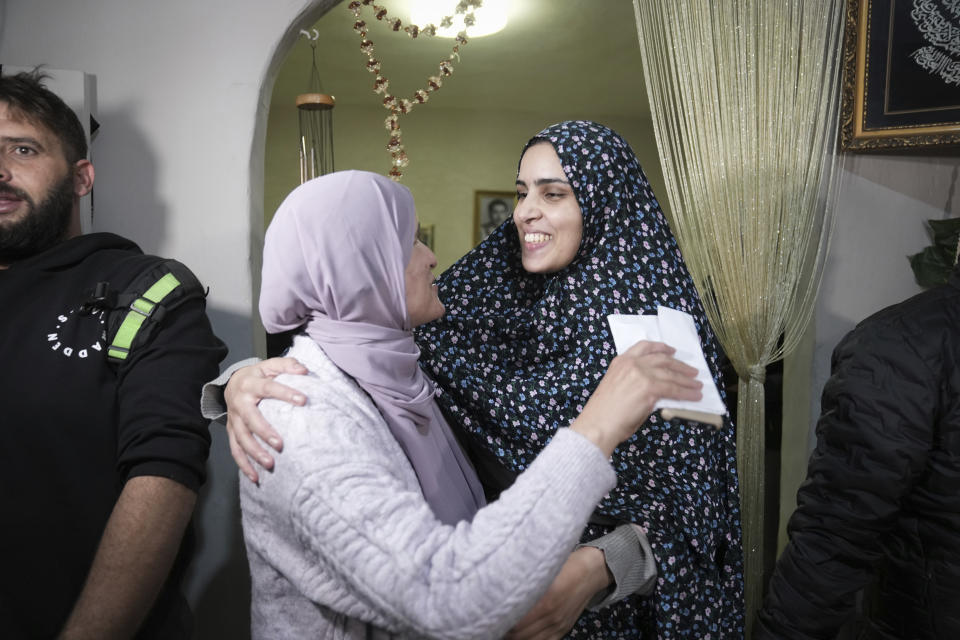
(83, 174)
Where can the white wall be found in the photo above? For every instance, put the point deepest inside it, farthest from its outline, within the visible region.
(182, 92)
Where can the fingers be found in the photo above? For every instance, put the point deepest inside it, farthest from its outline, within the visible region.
(661, 376)
(241, 459)
(257, 380)
(242, 404)
(656, 362)
(657, 353)
(262, 388)
(275, 366)
(239, 431)
(645, 347)
(254, 422)
(675, 388)
(676, 373)
(245, 389)
(662, 362)
(682, 368)
(635, 381)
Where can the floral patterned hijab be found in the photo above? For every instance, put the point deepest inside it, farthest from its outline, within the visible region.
(517, 355)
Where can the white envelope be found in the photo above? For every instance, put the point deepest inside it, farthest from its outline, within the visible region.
(678, 330)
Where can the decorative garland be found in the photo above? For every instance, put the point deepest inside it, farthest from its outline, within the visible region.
(400, 106)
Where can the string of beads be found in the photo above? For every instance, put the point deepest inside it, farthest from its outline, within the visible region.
(400, 106)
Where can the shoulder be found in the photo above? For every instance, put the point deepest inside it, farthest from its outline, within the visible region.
(923, 327)
(325, 383)
(122, 261)
(339, 435)
(335, 402)
(142, 271)
(931, 308)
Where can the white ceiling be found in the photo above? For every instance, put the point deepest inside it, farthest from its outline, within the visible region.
(556, 56)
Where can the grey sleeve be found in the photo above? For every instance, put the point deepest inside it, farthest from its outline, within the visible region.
(630, 559)
(212, 404)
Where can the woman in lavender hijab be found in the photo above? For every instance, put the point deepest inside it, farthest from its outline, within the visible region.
(372, 523)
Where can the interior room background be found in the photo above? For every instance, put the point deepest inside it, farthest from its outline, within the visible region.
(192, 153)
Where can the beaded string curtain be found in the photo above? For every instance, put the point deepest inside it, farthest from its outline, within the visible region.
(744, 99)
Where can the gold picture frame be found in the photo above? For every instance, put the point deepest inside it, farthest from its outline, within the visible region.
(889, 98)
(490, 210)
(427, 234)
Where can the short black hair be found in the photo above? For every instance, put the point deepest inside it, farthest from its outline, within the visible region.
(26, 96)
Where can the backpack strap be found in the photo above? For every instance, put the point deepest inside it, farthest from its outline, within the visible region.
(134, 314)
(142, 309)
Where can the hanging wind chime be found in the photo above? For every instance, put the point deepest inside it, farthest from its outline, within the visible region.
(315, 109)
(399, 106)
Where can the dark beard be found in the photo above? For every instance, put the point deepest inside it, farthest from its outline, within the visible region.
(44, 226)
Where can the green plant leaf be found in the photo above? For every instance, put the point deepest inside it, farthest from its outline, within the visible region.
(945, 233)
(932, 266)
(930, 269)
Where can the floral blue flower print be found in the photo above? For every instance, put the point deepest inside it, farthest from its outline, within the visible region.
(518, 354)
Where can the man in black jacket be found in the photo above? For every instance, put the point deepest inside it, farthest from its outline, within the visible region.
(880, 508)
(104, 446)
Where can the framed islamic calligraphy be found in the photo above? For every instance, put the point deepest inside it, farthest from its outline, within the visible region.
(901, 75)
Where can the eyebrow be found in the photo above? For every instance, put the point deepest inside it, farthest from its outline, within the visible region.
(23, 140)
(541, 181)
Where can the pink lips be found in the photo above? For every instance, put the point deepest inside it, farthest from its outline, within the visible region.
(9, 203)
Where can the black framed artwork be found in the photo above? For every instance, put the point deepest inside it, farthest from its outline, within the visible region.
(901, 76)
(490, 210)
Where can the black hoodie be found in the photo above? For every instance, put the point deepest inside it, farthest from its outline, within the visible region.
(75, 427)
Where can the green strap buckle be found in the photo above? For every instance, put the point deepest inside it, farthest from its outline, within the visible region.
(140, 309)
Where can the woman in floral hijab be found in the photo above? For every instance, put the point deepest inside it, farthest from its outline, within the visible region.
(518, 353)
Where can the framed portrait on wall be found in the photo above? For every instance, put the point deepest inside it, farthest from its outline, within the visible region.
(490, 209)
(901, 75)
(426, 235)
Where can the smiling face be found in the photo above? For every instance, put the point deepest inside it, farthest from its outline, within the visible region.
(38, 188)
(548, 217)
(423, 303)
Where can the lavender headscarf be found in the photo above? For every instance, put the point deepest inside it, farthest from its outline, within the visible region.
(333, 261)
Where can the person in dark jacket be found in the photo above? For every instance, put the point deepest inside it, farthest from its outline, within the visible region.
(104, 447)
(880, 508)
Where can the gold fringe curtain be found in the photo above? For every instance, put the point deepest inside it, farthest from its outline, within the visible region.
(744, 98)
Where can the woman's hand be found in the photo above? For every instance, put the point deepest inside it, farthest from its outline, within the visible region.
(633, 384)
(581, 577)
(245, 389)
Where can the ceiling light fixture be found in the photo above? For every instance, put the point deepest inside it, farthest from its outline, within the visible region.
(491, 17)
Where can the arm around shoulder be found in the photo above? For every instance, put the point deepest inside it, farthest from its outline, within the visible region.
(374, 551)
